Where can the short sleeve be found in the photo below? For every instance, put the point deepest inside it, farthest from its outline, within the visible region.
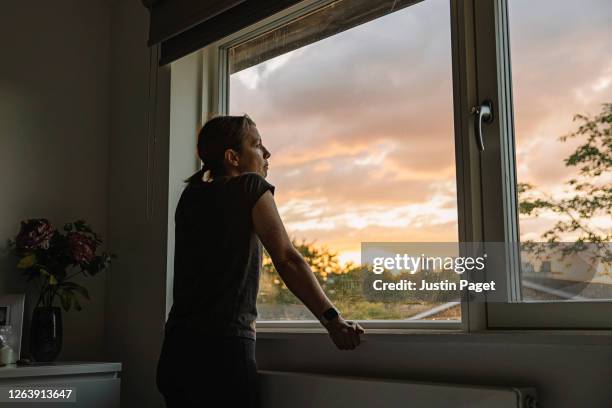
(254, 186)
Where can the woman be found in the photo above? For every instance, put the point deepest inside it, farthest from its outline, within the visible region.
(225, 214)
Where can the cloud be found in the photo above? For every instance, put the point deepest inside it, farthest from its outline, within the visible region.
(360, 125)
(562, 65)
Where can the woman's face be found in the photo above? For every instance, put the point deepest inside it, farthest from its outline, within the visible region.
(254, 156)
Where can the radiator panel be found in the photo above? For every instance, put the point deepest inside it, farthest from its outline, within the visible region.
(297, 390)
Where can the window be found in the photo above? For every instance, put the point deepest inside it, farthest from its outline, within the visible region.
(358, 115)
(566, 72)
(367, 109)
(555, 177)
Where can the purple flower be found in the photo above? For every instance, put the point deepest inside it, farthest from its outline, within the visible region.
(82, 247)
(35, 234)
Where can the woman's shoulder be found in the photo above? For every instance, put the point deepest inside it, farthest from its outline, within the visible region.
(252, 185)
(249, 176)
(244, 178)
(245, 182)
(248, 179)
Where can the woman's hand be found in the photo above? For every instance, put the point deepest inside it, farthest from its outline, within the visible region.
(345, 335)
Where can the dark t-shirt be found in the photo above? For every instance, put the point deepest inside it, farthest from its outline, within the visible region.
(217, 257)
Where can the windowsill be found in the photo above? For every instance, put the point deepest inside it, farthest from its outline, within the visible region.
(551, 337)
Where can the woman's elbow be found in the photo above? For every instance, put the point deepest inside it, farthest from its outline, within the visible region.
(288, 261)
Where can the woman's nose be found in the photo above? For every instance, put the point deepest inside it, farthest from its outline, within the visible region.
(267, 153)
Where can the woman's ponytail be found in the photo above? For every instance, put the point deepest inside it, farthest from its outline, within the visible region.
(197, 176)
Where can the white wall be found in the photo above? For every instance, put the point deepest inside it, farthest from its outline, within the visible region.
(54, 127)
(138, 206)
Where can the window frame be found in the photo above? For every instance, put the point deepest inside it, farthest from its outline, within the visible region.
(500, 208)
(216, 78)
(486, 187)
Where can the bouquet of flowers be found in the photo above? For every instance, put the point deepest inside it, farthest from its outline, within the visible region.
(54, 257)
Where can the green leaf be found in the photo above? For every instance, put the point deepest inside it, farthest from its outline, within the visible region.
(66, 299)
(27, 261)
(75, 287)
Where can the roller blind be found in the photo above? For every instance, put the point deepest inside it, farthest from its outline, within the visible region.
(171, 17)
(184, 26)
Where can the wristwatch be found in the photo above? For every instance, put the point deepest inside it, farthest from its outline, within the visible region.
(329, 315)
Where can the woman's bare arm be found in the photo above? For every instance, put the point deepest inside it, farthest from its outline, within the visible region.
(295, 272)
(290, 265)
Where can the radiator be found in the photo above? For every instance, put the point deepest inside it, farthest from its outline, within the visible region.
(297, 390)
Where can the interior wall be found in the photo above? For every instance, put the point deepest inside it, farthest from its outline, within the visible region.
(138, 205)
(54, 128)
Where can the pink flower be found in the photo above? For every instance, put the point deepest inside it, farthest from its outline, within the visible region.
(82, 247)
(35, 234)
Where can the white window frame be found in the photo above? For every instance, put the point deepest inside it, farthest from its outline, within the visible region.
(500, 212)
(491, 217)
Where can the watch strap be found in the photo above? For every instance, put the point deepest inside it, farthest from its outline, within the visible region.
(329, 315)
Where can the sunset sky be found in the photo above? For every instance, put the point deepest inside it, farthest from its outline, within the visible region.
(360, 125)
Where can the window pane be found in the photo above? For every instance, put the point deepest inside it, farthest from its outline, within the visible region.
(562, 67)
(360, 126)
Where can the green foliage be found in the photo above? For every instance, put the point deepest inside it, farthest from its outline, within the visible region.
(364, 310)
(338, 281)
(590, 192)
(69, 293)
(350, 288)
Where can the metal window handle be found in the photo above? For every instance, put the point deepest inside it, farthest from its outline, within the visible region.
(482, 113)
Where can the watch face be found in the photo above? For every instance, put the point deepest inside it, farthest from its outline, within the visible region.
(330, 314)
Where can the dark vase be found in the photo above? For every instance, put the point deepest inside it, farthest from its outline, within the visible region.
(46, 333)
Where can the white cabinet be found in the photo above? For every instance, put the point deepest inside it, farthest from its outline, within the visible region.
(96, 385)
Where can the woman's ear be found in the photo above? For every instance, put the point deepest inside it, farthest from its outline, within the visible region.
(231, 157)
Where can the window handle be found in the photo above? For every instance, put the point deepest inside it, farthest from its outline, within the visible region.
(482, 114)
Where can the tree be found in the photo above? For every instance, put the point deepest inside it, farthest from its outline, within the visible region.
(340, 282)
(590, 192)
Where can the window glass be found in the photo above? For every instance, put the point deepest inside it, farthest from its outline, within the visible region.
(562, 90)
(360, 127)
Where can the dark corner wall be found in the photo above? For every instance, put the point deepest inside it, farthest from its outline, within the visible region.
(76, 142)
(54, 133)
(138, 206)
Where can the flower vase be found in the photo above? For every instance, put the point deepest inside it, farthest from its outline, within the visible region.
(46, 333)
